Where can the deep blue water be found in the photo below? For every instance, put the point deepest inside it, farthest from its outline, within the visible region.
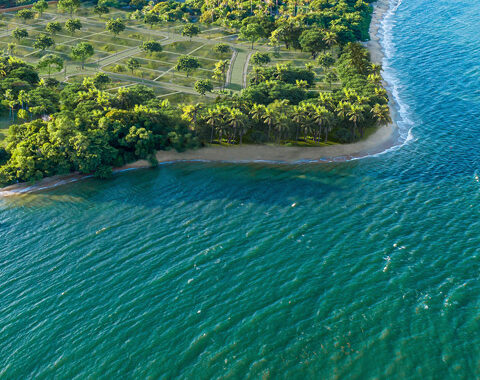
(364, 269)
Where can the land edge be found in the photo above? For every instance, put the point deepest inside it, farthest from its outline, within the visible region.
(382, 139)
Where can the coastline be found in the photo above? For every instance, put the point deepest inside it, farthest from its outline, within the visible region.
(379, 141)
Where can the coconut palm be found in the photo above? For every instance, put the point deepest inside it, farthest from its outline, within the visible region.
(330, 39)
(325, 99)
(282, 125)
(349, 95)
(237, 122)
(320, 118)
(269, 118)
(299, 118)
(213, 120)
(257, 112)
(381, 113)
(342, 109)
(191, 112)
(356, 115)
(375, 79)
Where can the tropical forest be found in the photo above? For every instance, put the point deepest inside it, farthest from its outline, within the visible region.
(88, 87)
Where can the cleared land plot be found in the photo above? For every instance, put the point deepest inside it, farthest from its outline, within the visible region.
(156, 70)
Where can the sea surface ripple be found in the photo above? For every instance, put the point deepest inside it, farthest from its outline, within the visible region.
(363, 269)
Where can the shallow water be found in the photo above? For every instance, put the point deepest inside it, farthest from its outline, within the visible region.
(354, 270)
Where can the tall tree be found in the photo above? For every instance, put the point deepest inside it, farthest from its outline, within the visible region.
(220, 72)
(133, 64)
(82, 51)
(311, 41)
(251, 32)
(53, 27)
(19, 34)
(70, 6)
(26, 14)
(40, 6)
(203, 86)
(115, 26)
(101, 10)
(43, 42)
(187, 63)
(49, 60)
(72, 25)
(190, 30)
(151, 19)
(381, 113)
(356, 115)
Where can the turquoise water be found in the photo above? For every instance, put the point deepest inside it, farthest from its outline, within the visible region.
(361, 269)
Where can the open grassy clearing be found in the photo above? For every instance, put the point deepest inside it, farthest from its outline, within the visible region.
(112, 52)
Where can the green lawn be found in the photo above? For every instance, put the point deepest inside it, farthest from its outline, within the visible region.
(111, 51)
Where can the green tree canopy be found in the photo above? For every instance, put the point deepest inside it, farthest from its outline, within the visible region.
(312, 41)
(222, 48)
(190, 30)
(101, 10)
(70, 6)
(100, 80)
(82, 51)
(73, 24)
(49, 60)
(187, 63)
(151, 19)
(40, 6)
(203, 86)
(26, 14)
(151, 46)
(251, 32)
(53, 27)
(115, 26)
(261, 59)
(325, 60)
(133, 64)
(43, 42)
(19, 34)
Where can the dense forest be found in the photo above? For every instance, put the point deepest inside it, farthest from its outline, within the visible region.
(60, 128)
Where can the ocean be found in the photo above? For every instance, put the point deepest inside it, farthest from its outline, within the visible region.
(361, 269)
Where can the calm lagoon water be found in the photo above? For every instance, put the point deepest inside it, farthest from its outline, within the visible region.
(361, 269)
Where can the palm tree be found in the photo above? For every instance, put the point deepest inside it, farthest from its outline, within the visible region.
(381, 112)
(282, 126)
(356, 115)
(190, 113)
(380, 92)
(237, 122)
(299, 117)
(349, 95)
(375, 79)
(320, 116)
(325, 99)
(11, 48)
(257, 112)
(375, 69)
(223, 126)
(213, 119)
(342, 109)
(269, 118)
(330, 39)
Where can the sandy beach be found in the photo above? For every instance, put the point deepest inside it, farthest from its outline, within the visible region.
(377, 142)
(382, 139)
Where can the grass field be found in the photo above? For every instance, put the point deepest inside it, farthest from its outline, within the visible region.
(157, 70)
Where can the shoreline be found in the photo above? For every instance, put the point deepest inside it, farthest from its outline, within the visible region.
(379, 141)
